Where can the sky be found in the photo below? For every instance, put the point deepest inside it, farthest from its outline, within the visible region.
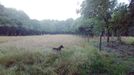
(47, 9)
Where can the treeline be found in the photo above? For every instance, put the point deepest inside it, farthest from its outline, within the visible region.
(98, 17)
(16, 31)
(15, 22)
(58, 27)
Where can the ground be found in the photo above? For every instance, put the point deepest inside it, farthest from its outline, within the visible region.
(45, 41)
(33, 55)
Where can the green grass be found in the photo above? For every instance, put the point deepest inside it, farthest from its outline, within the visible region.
(128, 40)
(75, 59)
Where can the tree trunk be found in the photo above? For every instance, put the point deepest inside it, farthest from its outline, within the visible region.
(88, 37)
(107, 29)
(119, 37)
(108, 35)
(100, 44)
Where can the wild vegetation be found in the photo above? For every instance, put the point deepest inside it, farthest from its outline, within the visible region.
(99, 42)
(77, 58)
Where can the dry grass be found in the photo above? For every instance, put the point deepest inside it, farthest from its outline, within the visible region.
(4, 39)
(16, 51)
(128, 40)
(33, 55)
(46, 41)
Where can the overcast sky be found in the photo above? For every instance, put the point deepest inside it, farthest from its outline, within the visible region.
(47, 9)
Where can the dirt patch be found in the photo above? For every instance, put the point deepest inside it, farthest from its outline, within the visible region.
(121, 49)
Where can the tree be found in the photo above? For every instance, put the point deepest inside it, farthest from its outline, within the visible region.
(120, 21)
(131, 17)
(131, 8)
(100, 9)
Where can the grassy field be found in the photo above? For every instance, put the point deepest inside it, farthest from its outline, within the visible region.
(33, 55)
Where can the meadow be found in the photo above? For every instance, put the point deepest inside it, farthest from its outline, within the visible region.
(33, 55)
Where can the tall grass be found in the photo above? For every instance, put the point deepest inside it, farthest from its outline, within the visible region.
(33, 55)
(76, 60)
